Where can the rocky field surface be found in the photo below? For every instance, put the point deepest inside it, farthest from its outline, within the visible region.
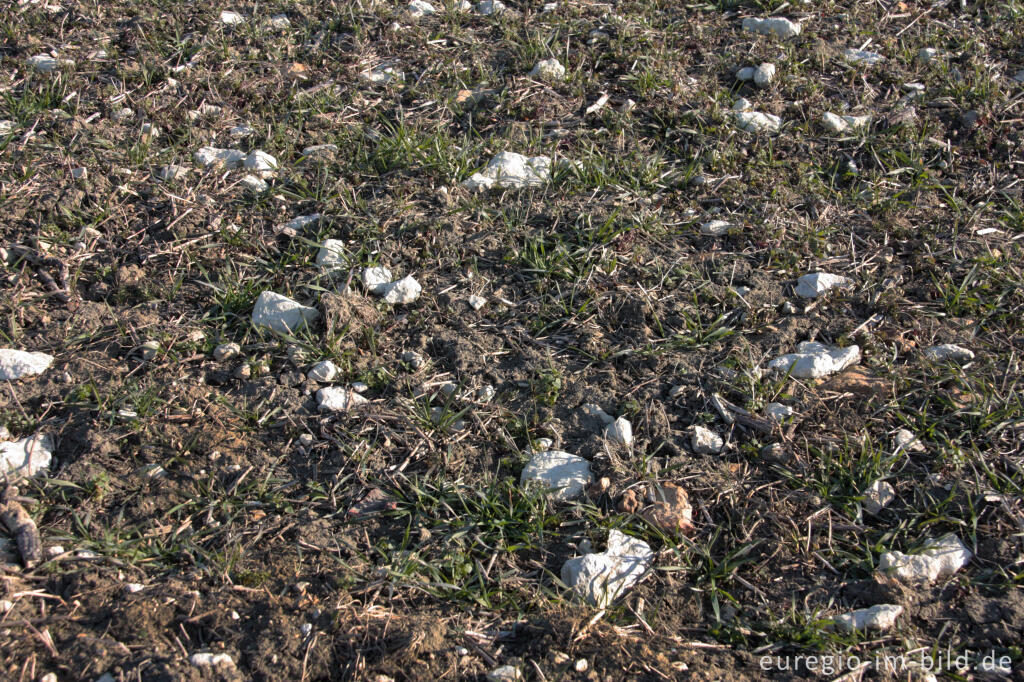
(628, 340)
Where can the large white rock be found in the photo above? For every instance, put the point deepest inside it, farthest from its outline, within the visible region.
(836, 124)
(281, 313)
(817, 283)
(15, 364)
(25, 457)
(756, 122)
(261, 162)
(940, 558)
(548, 70)
(949, 352)
(620, 431)
(879, 617)
(777, 27)
(337, 399)
(565, 474)
(862, 56)
(508, 170)
(704, 441)
(601, 578)
(814, 360)
(405, 290)
(877, 496)
(211, 156)
(331, 255)
(420, 8)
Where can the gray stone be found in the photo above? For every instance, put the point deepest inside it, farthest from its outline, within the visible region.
(241, 131)
(565, 474)
(281, 313)
(814, 360)
(171, 172)
(548, 70)
(261, 162)
(298, 224)
(25, 457)
(837, 124)
(413, 359)
(907, 441)
(489, 7)
(17, 364)
(600, 578)
(477, 302)
(862, 56)
(252, 183)
(778, 411)
(381, 75)
(764, 74)
(715, 228)
(620, 431)
(420, 8)
(505, 673)
(756, 122)
(332, 255)
(226, 351)
(927, 54)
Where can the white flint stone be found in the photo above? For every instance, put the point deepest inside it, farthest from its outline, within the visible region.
(878, 496)
(778, 411)
(324, 371)
(764, 74)
(254, 184)
(600, 578)
(231, 18)
(279, 21)
(413, 359)
(746, 73)
(15, 364)
(705, 441)
(299, 224)
(281, 313)
(815, 284)
(548, 70)
(336, 399)
(405, 290)
(149, 350)
(171, 172)
(381, 75)
(862, 56)
(261, 162)
(508, 170)
(757, 122)
(489, 7)
(477, 302)
(777, 27)
(926, 54)
(813, 360)
(376, 279)
(331, 255)
(540, 445)
(837, 124)
(564, 474)
(208, 660)
(226, 351)
(420, 8)
(879, 617)
(742, 104)
(620, 431)
(949, 352)
(485, 393)
(360, 386)
(229, 158)
(241, 131)
(25, 457)
(43, 63)
(907, 441)
(940, 558)
(505, 673)
(79, 173)
(320, 151)
(594, 412)
(715, 228)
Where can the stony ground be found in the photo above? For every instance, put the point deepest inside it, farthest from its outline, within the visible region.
(334, 480)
